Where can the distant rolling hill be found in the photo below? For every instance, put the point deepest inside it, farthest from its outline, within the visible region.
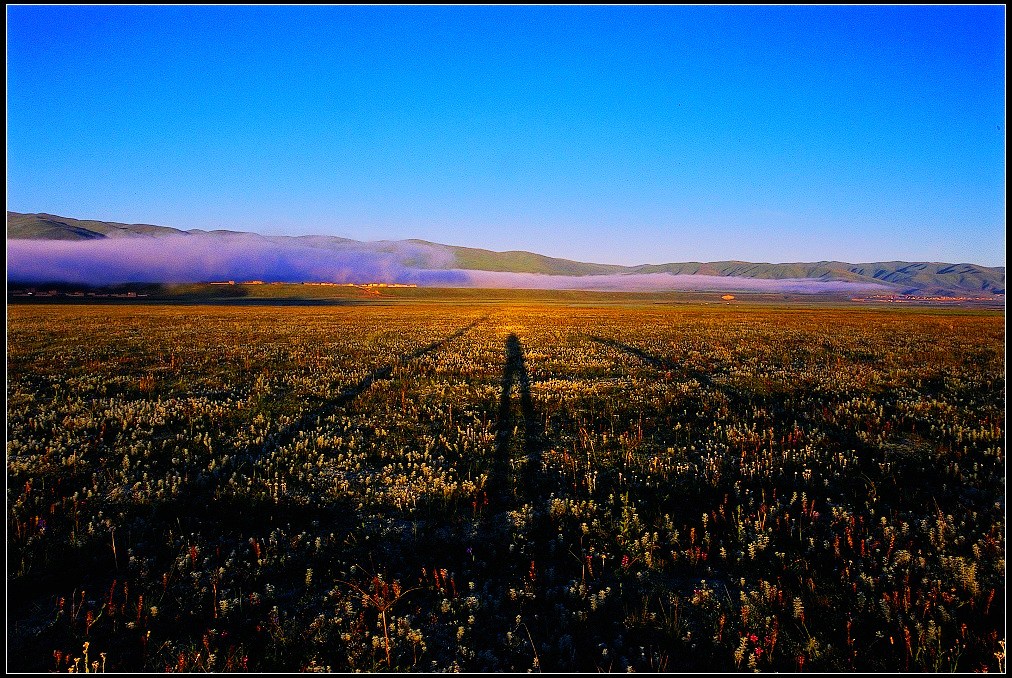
(910, 277)
(315, 257)
(51, 227)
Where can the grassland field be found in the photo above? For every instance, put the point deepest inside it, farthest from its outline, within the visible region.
(565, 484)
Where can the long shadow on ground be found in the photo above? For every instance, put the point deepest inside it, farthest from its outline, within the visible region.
(503, 492)
(517, 556)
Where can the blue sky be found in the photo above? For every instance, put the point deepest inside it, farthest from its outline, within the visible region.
(614, 134)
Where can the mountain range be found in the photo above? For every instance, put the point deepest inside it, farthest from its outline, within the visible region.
(48, 248)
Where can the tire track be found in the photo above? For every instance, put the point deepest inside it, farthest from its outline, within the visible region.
(312, 418)
(869, 455)
(200, 495)
(662, 363)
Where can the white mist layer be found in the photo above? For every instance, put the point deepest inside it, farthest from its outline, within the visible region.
(206, 258)
(659, 282)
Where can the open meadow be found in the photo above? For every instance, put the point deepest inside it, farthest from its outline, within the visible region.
(509, 486)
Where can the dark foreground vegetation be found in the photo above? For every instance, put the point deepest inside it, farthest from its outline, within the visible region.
(504, 487)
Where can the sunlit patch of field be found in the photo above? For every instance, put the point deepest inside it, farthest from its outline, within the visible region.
(503, 487)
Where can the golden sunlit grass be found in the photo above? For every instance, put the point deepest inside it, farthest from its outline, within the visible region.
(505, 487)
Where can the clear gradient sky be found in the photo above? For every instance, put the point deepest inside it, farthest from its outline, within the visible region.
(620, 135)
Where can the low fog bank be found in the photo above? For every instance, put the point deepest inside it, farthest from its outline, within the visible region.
(240, 257)
(659, 282)
(206, 258)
